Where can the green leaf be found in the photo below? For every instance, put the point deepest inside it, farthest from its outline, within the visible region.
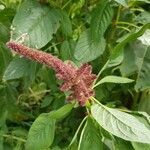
(87, 50)
(128, 66)
(4, 33)
(121, 144)
(144, 104)
(101, 19)
(66, 25)
(141, 116)
(133, 54)
(62, 112)
(114, 79)
(143, 81)
(5, 58)
(41, 133)
(122, 2)
(90, 137)
(140, 146)
(35, 23)
(17, 68)
(67, 50)
(120, 124)
(117, 54)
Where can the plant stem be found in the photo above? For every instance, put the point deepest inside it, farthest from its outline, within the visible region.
(94, 99)
(115, 23)
(66, 4)
(77, 131)
(121, 27)
(81, 136)
(127, 23)
(98, 75)
(14, 137)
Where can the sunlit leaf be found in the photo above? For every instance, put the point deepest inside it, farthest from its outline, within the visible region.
(121, 124)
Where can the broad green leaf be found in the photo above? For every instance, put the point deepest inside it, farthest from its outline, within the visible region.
(117, 54)
(5, 58)
(140, 146)
(90, 137)
(122, 2)
(108, 138)
(120, 124)
(141, 116)
(41, 133)
(133, 54)
(4, 33)
(144, 104)
(6, 16)
(17, 68)
(62, 112)
(87, 50)
(35, 23)
(114, 79)
(121, 144)
(65, 25)
(67, 50)
(143, 81)
(128, 65)
(101, 19)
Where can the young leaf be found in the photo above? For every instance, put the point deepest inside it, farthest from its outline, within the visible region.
(121, 124)
(117, 54)
(86, 49)
(101, 18)
(62, 112)
(143, 79)
(133, 54)
(35, 23)
(114, 79)
(91, 138)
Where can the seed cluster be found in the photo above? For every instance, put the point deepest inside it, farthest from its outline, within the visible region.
(76, 80)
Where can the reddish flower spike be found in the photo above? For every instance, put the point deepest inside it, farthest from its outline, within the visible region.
(78, 81)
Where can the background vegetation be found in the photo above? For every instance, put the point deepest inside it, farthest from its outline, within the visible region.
(114, 37)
